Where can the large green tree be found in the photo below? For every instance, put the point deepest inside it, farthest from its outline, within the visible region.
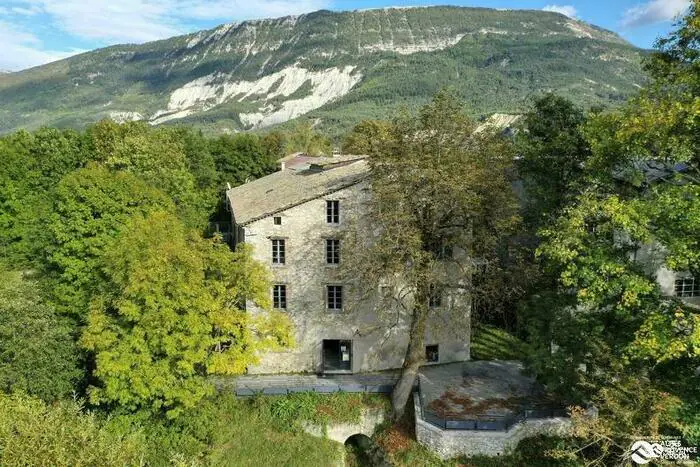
(436, 184)
(169, 313)
(38, 354)
(91, 206)
(159, 157)
(619, 338)
(30, 166)
(303, 138)
(552, 151)
(241, 157)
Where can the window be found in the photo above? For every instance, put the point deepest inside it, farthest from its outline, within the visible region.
(277, 251)
(333, 212)
(386, 291)
(334, 297)
(687, 287)
(432, 353)
(279, 296)
(277, 220)
(445, 252)
(332, 251)
(435, 298)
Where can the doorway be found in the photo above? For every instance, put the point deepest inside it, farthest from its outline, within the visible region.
(337, 356)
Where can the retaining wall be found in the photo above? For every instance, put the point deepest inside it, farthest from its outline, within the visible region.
(452, 443)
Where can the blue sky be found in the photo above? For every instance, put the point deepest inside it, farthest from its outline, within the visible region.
(33, 32)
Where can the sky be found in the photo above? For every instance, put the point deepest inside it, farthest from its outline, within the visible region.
(34, 32)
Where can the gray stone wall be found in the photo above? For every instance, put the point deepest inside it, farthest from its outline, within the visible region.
(379, 332)
(452, 443)
(340, 432)
(652, 256)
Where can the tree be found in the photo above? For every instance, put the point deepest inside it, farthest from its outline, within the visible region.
(31, 165)
(38, 355)
(553, 150)
(367, 137)
(170, 312)
(240, 157)
(305, 139)
(91, 207)
(274, 144)
(458, 190)
(35, 433)
(158, 156)
(640, 210)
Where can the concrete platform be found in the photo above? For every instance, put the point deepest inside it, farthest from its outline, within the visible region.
(478, 389)
(248, 385)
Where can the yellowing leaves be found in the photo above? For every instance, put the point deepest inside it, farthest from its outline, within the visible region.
(167, 316)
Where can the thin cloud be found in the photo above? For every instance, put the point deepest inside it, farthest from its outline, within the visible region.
(108, 22)
(654, 11)
(22, 49)
(568, 10)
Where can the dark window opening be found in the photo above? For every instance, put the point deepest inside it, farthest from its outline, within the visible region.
(277, 220)
(333, 212)
(337, 355)
(687, 287)
(432, 353)
(332, 251)
(334, 297)
(435, 297)
(279, 296)
(277, 251)
(445, 252)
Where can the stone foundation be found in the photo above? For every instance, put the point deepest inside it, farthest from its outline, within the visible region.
(452, 443)
(340, 432)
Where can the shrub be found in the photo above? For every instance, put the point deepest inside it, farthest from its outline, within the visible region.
(33, 433)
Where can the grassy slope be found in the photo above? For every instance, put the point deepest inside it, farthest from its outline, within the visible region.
(245, 435)
(491, 343)
(265, 431)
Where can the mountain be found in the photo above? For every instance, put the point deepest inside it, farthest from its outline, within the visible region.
(335, 67)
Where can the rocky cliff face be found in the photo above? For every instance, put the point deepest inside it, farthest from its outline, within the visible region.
(337, 67)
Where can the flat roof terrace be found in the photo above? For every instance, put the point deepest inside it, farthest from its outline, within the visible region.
(482, 394)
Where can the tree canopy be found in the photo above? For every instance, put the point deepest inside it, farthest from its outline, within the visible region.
(169, 313)
(38, 355)
(460, 190)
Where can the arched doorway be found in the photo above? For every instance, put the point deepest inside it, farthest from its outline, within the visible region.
(363, 451)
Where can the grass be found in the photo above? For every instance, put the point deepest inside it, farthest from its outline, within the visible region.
(226, 431)
(267, 430)
(247, 434)
(491, 343)
(289, 411)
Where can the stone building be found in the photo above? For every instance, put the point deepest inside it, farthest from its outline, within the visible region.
(652, 257)
(295, 220)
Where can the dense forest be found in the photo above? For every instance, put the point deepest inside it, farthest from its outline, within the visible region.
(120, 304)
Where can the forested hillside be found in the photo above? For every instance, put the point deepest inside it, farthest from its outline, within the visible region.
(337, 67)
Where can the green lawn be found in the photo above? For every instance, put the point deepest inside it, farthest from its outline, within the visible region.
(246, 434)
(491, 343)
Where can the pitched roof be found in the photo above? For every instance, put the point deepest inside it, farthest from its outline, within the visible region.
(294, 186)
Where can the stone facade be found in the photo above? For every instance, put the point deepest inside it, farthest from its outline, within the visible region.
(452, 443)
(340, 432)
(377, 331)
(653, 256)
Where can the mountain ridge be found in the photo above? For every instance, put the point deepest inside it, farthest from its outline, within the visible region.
(336, 66)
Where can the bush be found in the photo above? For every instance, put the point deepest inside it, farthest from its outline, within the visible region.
(37, 352)
(33, 433)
